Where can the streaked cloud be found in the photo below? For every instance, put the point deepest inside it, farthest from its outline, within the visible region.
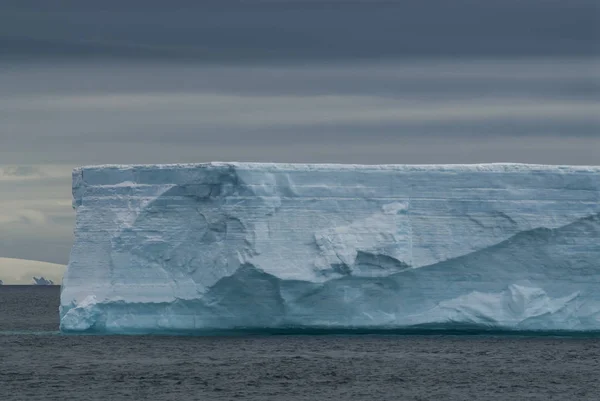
(292, 111)
(165, 112)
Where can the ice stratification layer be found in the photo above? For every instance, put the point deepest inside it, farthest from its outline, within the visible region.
(185, 248)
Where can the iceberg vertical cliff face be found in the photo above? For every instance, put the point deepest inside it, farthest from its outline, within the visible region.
(226, 245)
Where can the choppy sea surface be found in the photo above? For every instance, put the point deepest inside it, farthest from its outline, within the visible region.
(38, 363)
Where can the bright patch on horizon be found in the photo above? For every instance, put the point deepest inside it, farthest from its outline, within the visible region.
(22, 271)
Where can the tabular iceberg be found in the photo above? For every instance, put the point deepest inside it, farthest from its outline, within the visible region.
(192, 247)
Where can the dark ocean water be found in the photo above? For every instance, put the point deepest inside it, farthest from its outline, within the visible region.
(37, 363)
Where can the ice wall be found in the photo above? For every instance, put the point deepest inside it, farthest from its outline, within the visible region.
(167, 248)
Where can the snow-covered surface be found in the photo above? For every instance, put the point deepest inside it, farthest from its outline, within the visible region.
(224, 245)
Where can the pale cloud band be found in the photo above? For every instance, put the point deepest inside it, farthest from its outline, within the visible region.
(33, 173)
(255, 112)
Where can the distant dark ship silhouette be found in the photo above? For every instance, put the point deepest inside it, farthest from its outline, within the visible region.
(42, 281)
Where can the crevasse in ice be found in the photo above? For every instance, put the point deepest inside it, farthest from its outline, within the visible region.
(189, 247)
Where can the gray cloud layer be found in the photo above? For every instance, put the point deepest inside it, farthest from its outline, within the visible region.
(293, 30)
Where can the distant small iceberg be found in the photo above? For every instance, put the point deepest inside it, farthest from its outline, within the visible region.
(42, 281)
(1, 282)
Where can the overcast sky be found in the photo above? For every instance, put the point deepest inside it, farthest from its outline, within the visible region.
(430, 81)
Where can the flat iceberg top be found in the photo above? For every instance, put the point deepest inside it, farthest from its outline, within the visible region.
(486, 167)
(224, 245)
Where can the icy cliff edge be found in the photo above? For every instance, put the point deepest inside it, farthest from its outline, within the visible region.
(190, 247)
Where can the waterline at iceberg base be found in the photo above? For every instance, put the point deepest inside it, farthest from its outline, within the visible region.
(240, 246)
